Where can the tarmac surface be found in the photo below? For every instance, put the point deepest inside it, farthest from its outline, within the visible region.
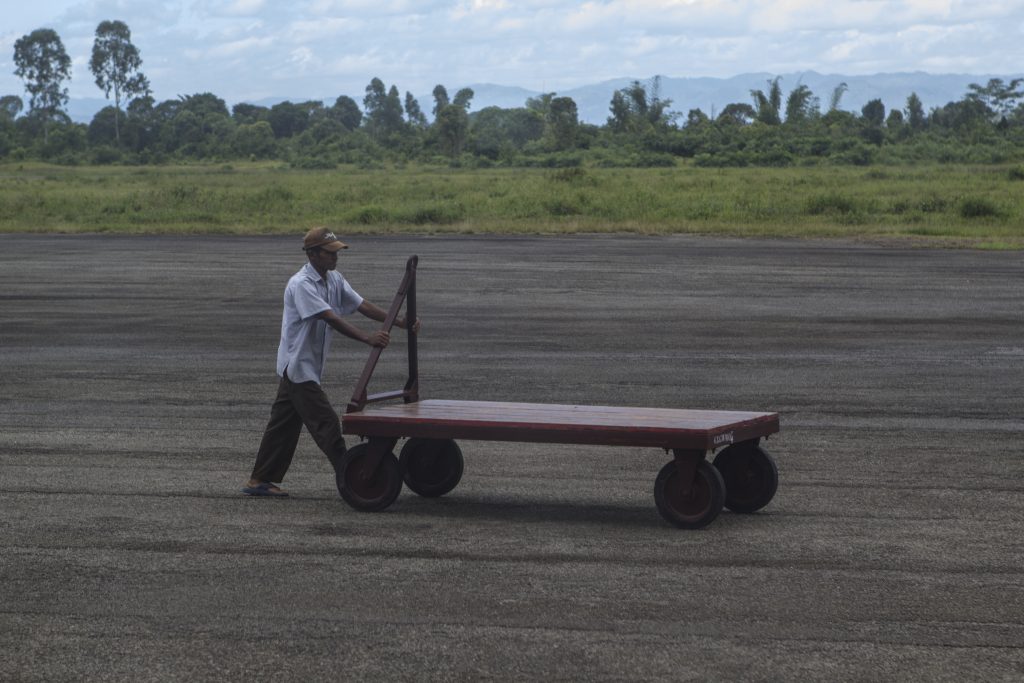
(138, 372)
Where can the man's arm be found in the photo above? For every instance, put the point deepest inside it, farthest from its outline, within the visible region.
(374, 312)
(377, 338)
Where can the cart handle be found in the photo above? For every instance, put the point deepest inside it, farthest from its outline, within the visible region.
(410, 393)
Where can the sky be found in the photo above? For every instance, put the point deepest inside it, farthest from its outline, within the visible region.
(247, 50)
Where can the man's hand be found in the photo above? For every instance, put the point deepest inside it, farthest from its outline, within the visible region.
(403, 323)
(380, 338)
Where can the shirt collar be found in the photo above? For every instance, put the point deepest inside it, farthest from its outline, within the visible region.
(311, 273)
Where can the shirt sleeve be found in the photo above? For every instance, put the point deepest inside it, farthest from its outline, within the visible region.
(308, 301)
(350, 299)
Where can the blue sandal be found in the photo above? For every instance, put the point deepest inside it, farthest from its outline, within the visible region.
(265, 488)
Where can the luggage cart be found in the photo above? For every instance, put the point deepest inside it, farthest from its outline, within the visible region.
(689, 492)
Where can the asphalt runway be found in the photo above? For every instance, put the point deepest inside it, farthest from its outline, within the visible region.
(138, 372)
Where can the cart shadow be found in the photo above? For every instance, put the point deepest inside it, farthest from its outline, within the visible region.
(492, 509)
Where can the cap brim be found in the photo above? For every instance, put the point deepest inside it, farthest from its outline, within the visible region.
(334, 246)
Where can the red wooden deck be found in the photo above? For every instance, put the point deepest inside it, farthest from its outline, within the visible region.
(550, 423)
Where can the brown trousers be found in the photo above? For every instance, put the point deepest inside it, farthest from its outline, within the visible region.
(297, 404)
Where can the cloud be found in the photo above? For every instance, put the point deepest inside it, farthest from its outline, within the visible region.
(319, 29)
(370, 8)
(312, 47)
(237, 47)
(244, 7)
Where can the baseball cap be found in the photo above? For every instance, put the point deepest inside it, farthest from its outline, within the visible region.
(322, 238)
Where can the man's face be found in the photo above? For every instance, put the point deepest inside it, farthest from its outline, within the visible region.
(322, 259)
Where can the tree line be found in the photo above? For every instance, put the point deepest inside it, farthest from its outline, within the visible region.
(774, 129)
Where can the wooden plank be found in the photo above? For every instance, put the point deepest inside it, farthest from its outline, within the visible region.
(558, 414)
(554, 423)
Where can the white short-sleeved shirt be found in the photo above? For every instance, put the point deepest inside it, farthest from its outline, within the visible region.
(305, 339)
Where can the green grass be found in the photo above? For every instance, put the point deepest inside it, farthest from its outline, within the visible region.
(948, 205)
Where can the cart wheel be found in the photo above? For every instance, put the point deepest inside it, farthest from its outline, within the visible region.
(751, 477)
(431, 467)
(696, 509)
(364, 489)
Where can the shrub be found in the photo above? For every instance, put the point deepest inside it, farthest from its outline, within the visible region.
(557, 160)
(371, 215)
(438, 214)
(722, 160)
(654, 160)
(314, 164)
(105, 154)
(773, 157)
(562, 207)
(933, 204)
(832, 203)
(859, 154)
(271, 197)
(978, 207)
(574, 175)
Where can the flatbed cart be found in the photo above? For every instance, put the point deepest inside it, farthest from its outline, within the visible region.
(689, 492)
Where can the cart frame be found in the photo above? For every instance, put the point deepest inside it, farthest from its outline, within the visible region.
(689, 492)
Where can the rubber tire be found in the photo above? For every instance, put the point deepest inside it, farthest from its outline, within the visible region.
(751, 477)
(700, 507)
(431, 467)
(373, 494)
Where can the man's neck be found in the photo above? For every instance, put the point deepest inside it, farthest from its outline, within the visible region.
(321, 273)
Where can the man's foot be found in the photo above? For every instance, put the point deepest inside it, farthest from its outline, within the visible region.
(263, 488)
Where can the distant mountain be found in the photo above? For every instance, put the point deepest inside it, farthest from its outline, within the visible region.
(710, 95)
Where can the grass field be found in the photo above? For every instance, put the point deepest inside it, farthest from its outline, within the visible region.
(944, 205)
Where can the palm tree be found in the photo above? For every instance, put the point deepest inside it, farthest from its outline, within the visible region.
(768, 106)
(837, 94)
(800, 105)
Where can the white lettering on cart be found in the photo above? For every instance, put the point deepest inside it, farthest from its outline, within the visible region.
(722, 438)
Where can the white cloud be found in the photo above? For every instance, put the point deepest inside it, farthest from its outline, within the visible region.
(237, 47)
(355, 65)
(301, 57)
(312, 47)
(312, 30)
(244, 7)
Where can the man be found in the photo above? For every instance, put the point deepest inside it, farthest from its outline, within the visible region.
(315, 300)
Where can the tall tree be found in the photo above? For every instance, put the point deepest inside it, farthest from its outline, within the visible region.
(383, 108)
(696, 118)
(639, 107)
(915, 113)
(44, 65)
(874, 113)
(346, 111)
(440, 99)
(998, 96)
(115, 64)
(451, 122)
(894, 121)
(563, 123)
(463, 98)
(541, 103)
(621, 118)
(287, 119)
(413, 113)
